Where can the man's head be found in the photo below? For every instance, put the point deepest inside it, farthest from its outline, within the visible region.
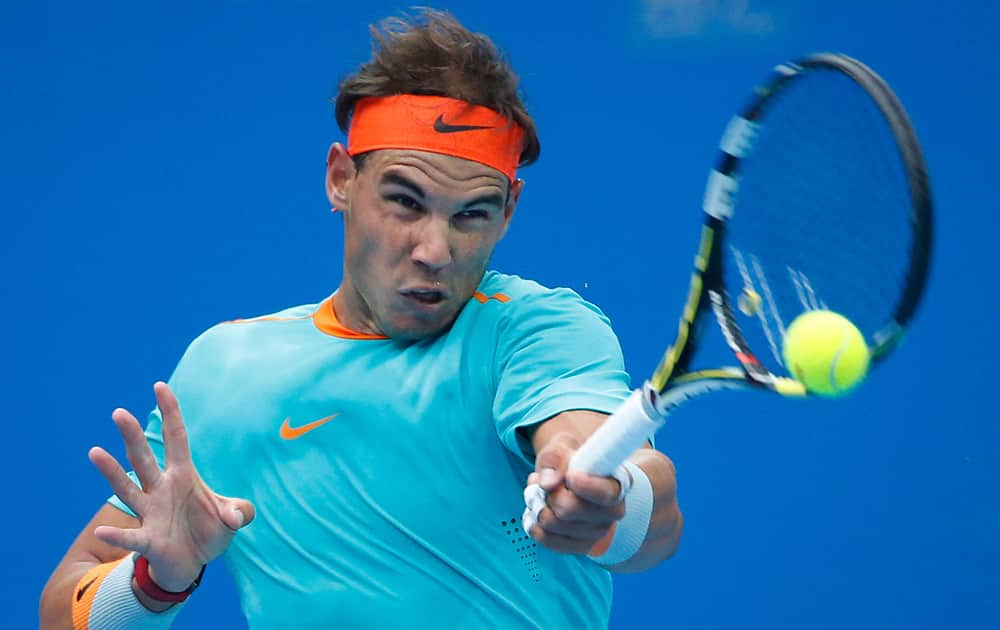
(427, 185)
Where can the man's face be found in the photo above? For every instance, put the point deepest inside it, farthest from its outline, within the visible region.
(419, 229)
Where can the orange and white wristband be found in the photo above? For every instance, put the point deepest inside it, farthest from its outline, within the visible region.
(103, 600)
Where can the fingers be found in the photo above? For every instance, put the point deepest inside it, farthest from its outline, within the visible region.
(237, 513)
(551, 462)
(563, 513)
(567, 505)
(119, 481)
(564, 522)
(552, 524)
(602, 491)
(575, 510)
(561, 543)
(137, 447)
(175, 440)
(561, 535)
(131, 539)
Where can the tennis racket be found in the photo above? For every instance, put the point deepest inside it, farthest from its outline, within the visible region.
(819, 199)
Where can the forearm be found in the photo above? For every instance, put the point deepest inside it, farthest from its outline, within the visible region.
(58, 604)
(55, 607)
(666, 522)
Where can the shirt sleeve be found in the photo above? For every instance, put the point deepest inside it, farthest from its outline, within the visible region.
(556, 352)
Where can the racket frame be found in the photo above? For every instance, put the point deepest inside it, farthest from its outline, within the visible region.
(707, 288)
(672, 382)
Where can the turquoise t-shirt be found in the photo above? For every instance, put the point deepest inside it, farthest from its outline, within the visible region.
(388, 476)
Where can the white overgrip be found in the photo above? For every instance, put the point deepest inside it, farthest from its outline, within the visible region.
(626, 430)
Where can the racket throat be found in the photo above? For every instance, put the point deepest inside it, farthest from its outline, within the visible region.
(667, 402)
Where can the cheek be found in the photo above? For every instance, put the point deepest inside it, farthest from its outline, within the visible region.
(481, 248)
(474, 257)
(375, 246)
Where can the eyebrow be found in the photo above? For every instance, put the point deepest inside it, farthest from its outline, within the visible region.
(494, 199)
(399, 180)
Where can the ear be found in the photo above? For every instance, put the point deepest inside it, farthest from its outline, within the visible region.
(340, 174)
(515, 193)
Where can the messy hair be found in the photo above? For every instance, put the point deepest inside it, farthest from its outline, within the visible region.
(433, 54)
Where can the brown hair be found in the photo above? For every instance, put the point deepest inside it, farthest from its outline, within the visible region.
(432, 53)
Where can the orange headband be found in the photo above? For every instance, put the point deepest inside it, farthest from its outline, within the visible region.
(437, 124)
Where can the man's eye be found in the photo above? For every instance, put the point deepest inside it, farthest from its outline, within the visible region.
(406, 201)
(474, 214)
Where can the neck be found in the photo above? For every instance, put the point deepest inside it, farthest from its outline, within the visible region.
(352, 311)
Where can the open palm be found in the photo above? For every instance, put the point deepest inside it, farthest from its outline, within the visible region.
(183, 524)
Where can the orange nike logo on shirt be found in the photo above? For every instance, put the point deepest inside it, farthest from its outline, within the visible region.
(288, 432)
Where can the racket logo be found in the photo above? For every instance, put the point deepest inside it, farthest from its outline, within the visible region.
(720, 195)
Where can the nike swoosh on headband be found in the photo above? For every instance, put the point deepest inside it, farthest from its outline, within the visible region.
(441, 126)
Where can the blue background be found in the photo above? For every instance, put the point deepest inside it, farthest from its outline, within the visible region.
(162, 170)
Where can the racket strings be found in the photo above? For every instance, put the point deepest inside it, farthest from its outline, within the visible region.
(822, 212)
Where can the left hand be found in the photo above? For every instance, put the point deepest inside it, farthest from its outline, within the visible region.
(579, 509)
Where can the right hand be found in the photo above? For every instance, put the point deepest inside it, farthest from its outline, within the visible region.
(575, 511)
(184, 524)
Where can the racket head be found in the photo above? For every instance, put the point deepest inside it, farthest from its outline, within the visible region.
(819, 199)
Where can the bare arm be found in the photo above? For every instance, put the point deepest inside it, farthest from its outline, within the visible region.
(582, 508)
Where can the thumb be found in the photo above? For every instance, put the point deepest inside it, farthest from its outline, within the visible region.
(237, 513)
(552, 461)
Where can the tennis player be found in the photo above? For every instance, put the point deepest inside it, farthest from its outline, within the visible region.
(362, 462)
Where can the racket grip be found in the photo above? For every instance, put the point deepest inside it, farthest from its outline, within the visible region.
(624, 431)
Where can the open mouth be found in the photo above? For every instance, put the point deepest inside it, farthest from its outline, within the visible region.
(429, 297)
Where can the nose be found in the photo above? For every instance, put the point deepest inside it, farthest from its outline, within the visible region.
(432, 248)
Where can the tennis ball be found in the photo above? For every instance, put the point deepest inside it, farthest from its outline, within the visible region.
(826, 353)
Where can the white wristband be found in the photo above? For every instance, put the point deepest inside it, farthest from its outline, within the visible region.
(631, 530)
(115, 605)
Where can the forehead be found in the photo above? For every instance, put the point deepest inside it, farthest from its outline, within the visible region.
(435, 169)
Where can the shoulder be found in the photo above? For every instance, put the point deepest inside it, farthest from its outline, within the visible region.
(292, 313)
(218, 340)
(528, 301)
(506, 287)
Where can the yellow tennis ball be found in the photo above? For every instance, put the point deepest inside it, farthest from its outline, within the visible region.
(826, 353)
